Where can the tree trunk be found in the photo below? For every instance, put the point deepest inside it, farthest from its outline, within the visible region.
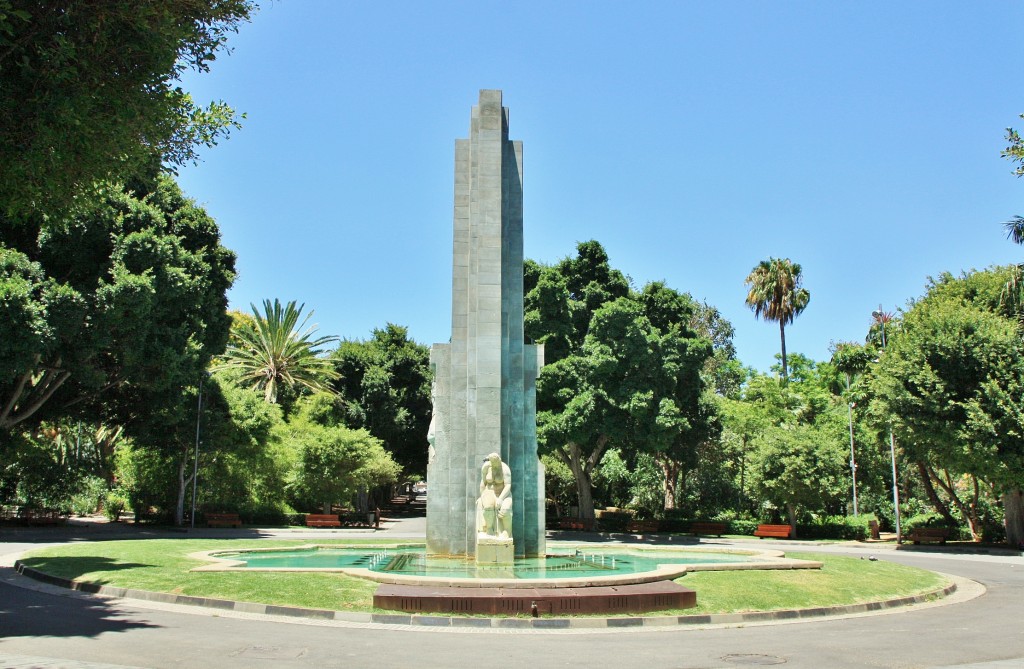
(933, 496)
(179, 508)
(969, 512)
(670, 472)
(782, 333)
(573, 456)
(582, 467)
(1013, 513)
(791, 512)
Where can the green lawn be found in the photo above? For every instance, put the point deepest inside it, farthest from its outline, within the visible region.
(842, 580)
(162, 565)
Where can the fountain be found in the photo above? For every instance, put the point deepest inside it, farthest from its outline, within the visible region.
(486, 550)
(486, 501)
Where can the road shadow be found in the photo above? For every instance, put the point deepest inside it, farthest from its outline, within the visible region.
(29, 613)
(74, 566)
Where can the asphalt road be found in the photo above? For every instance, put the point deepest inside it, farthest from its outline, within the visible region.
(40, 629)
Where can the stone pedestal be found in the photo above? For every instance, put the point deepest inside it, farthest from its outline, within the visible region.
(494, 551)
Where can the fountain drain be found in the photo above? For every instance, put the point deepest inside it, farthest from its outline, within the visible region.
(753, 659)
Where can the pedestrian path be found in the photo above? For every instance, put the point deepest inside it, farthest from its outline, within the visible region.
(36, 662)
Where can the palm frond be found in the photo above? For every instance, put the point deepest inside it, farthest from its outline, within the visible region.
(1015, 229)
(279, 348)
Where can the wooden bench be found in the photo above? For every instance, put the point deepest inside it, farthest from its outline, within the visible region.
(223, 520)
(718, 529)
(41, 517)
(575, 524)
(920, 534)
(361, 519)
(322, 520)
(776, 531)
(642, 526)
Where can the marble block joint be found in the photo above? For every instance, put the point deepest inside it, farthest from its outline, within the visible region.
(485, 377)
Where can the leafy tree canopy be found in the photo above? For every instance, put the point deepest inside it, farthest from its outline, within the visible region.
(952, 379)
(112, 310)
(625, 366)
(384, 387)
(335, 463)
(90, 92)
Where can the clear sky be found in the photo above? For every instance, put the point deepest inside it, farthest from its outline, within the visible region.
(861, 140)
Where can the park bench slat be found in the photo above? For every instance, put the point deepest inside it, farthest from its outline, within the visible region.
(776, 531)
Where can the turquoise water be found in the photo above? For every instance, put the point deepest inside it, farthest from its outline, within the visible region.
(414, 562)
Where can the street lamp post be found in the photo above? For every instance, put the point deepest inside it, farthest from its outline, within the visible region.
(195, 462)
(880, 317)
(853, 457)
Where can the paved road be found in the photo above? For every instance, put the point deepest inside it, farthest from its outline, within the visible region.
(47, 630)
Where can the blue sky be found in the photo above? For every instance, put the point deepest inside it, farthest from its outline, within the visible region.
(692, 140)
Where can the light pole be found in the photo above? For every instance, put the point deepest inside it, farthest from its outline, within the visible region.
(195, 463)
(881, 317)
(853, 457)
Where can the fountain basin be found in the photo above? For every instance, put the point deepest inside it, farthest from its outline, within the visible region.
(566, 566)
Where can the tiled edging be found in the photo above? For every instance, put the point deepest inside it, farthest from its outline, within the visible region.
(487, 623)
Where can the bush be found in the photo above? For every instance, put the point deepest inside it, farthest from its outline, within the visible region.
(848, 528)
(739, 526)
(265, 515)
(908, 525)
(114, 503)
(613, 521)
(91, 490)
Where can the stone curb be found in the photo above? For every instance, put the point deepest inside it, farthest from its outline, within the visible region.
(420, 620)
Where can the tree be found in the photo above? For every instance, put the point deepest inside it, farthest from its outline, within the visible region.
(242, 467)
(383, 386)
(724, 372)
(334, 463)
(776, 294)
(90, 92)
(277, 349)
(111, 313)
(626, 368)
(1015, 149)
(799, 468)
(559, 305)
(951, 382)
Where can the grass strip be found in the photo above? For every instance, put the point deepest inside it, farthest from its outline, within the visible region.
(162, 565)
(841, 581)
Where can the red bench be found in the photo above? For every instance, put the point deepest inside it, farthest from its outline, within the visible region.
(223, 520)
(920, 534)
(575, 524)
(322, 520)
(642, 526)
(718, 529)
(776, 531)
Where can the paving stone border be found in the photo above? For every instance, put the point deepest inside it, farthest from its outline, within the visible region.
(422, 620)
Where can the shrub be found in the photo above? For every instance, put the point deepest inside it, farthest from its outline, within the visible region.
(91, 490)
(908, 525)
(739, 526)
(114, 503)
(614, 521)
(836, 527)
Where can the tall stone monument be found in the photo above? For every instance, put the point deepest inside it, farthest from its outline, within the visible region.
(485, 377)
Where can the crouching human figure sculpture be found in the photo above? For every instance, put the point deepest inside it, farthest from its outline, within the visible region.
(494, 506)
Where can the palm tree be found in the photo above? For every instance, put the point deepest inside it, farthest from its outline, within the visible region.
(1012, 290)
(274, 348)
(776, 295)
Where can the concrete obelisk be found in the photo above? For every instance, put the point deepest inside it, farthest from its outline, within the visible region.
(485, 377)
